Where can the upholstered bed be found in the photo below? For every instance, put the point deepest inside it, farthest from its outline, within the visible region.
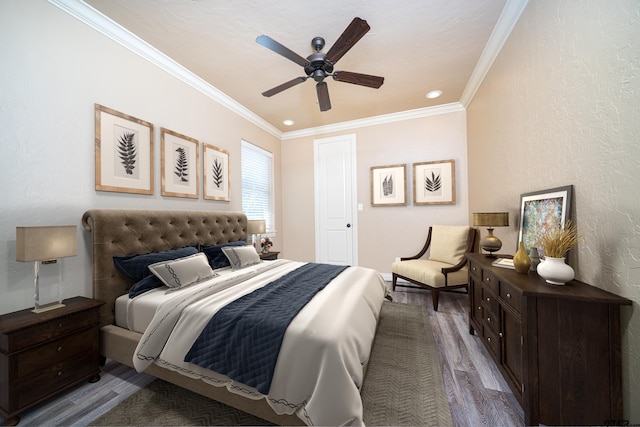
(120, 233)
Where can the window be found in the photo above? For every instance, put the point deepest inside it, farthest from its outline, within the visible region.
(257, 184)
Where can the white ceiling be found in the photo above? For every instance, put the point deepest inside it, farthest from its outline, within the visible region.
(416, 45)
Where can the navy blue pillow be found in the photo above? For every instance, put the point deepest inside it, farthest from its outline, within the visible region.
(148, 283)
(217, 258)
(135, 266)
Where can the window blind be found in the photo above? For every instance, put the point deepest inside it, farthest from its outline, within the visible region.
(257, 184)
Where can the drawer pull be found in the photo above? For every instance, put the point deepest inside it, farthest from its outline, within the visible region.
(488, 299)
(473, 269)
(489, 319)
(60, 325)
(508, 295)
(60, 373)
(488, 279)
(489, 339)
(500, 334)
(479, 307)
(59, 349)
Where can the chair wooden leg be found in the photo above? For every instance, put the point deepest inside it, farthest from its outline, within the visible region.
(435, 297)
(394, 278)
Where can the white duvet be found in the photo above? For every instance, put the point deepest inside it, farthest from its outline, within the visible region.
(320, 366)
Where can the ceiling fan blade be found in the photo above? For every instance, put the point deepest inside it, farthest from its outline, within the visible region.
(354, 32)
(323, 96)
(270, 43)
(284, 86)
(359, 79)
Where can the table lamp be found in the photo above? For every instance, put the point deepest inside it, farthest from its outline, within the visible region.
(45, 244)
(256, 226)
(491, 243)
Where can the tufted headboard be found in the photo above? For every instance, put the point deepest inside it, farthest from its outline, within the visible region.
(117, 232)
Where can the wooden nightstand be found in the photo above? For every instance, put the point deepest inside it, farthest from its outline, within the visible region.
(269, 256)
(43, 354)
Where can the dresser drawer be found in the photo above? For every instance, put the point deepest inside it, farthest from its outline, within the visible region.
(511, 295)
(493, 343)
(53, 328)
(69, 347)
(490, 300)
(490, 281)
(491, 320)
(475, 269)
(56, 377)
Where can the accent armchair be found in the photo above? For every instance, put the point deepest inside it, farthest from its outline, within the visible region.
(445, 268)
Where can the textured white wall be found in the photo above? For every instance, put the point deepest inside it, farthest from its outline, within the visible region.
(54, 68)
(560, 106)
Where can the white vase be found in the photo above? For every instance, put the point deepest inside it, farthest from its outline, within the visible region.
(555, 270)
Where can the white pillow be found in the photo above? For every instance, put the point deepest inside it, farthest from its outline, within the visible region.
(241, 256)
(181, 272)
(448, 243)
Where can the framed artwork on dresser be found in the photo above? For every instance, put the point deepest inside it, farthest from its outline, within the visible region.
(389, 185)
(434, 183)
(541, 211)
(180, 158)
(216, 173)
(123, 152)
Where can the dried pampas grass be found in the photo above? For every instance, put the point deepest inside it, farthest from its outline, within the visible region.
(557, 241)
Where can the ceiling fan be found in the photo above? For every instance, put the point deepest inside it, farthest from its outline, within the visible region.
(319, 65)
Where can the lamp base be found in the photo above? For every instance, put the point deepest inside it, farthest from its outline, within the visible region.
(490, 243)
(47, 307)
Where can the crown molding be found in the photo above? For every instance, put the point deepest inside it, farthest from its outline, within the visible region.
(506, 22)
(96, 20)
(376, 120)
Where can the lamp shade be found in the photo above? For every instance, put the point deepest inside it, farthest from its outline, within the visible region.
(491, 219)
(256, 226)
(44, 243)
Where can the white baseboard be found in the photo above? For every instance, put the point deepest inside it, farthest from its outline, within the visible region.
(388, 277)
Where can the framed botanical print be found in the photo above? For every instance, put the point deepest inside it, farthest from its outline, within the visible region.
(216, 173)
(389, 185)
(541, 211)
(180, 157)
(434, 183)
(123, 152)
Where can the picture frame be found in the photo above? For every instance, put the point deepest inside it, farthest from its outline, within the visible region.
(389, 185)
(123, 152)
(180, 158)
(215, 177)
(434, 183)
(541, 211)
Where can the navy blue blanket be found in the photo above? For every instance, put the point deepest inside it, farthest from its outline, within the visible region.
(242, 340)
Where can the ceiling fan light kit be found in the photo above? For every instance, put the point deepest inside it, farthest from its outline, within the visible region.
(319, 65)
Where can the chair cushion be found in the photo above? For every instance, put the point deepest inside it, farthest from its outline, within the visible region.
(448, 243)
(429, 272)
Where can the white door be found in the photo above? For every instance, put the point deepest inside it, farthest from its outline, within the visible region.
(335, 192)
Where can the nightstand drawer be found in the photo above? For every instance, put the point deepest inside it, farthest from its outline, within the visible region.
(53, 328)
(55, 377)
(69, 347)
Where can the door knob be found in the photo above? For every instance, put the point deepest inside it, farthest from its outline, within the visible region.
(348, 225)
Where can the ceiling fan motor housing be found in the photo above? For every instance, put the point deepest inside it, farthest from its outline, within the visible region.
(318, 68)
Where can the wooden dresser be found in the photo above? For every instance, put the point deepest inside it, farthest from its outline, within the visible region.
(43, 354)
(558, 347)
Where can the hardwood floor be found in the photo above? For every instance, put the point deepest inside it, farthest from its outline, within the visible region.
(477, 393)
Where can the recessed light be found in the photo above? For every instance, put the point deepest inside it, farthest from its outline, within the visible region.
(434, 94)
(288, 122)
